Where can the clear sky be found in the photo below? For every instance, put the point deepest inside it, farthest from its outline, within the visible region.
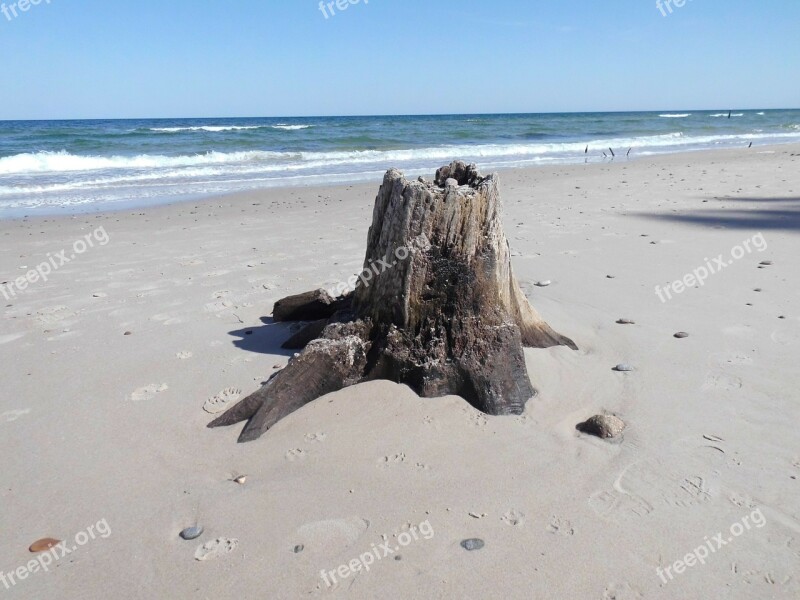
(201, 58)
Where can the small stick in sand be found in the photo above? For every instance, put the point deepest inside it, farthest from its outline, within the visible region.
(751, 145)
(612, 153)
(629, 152)
(587, 150)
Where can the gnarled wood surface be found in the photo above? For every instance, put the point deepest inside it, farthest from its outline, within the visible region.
(437, 308)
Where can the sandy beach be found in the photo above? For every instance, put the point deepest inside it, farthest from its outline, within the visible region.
(117, 362)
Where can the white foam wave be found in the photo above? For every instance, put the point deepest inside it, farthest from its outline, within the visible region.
(675, 116)
(291, 127)
(67, 171)
(718, 115)
(211, 128)
(220, 128)
(57, 162)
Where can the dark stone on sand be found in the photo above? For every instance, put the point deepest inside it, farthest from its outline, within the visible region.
(472, 544)
(626, 322)
(298, 549)
(192, 533)
(602, 426)
(681, 335)
(623, 368)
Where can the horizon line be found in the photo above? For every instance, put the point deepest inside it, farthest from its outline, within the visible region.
(367, 116)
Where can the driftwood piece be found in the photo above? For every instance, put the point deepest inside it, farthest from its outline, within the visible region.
(437, 308)
(308, 306)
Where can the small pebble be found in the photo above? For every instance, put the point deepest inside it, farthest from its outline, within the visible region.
(241, 480)
(472, 544)
(128, 333)
(681, 335)
(626, 322)
(767, 263)
(543, 283)
(398, 557)
(623, 368)
(43, 544)
(611, 276)
(192, 533)
(758, 290)
(299, 548)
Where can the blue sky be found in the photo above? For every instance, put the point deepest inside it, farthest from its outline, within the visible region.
(181, 58)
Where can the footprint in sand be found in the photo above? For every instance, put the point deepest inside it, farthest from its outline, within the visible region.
(648, 485)
(732, 359)
(220, 402)
(477, 419)
(621, 591)
(394, 459)
(316, 437)
(615, 506)
(53, 314)
(660, 485)
(148, 392)
(296, 454)
(771, 577)
(721, 382)
(216, 549)
(742, 500)
(218, 306)
(329, 538)
(514, 518)
(184, 355)
(560, 526)
(12, 415)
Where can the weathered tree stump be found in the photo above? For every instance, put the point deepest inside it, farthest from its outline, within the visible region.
(437, 308)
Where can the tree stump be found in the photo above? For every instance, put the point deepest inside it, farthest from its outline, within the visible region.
(437, 308)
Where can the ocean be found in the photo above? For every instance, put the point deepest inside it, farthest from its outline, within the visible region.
(51, 167)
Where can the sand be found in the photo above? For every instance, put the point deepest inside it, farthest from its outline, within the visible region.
(103, 429)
